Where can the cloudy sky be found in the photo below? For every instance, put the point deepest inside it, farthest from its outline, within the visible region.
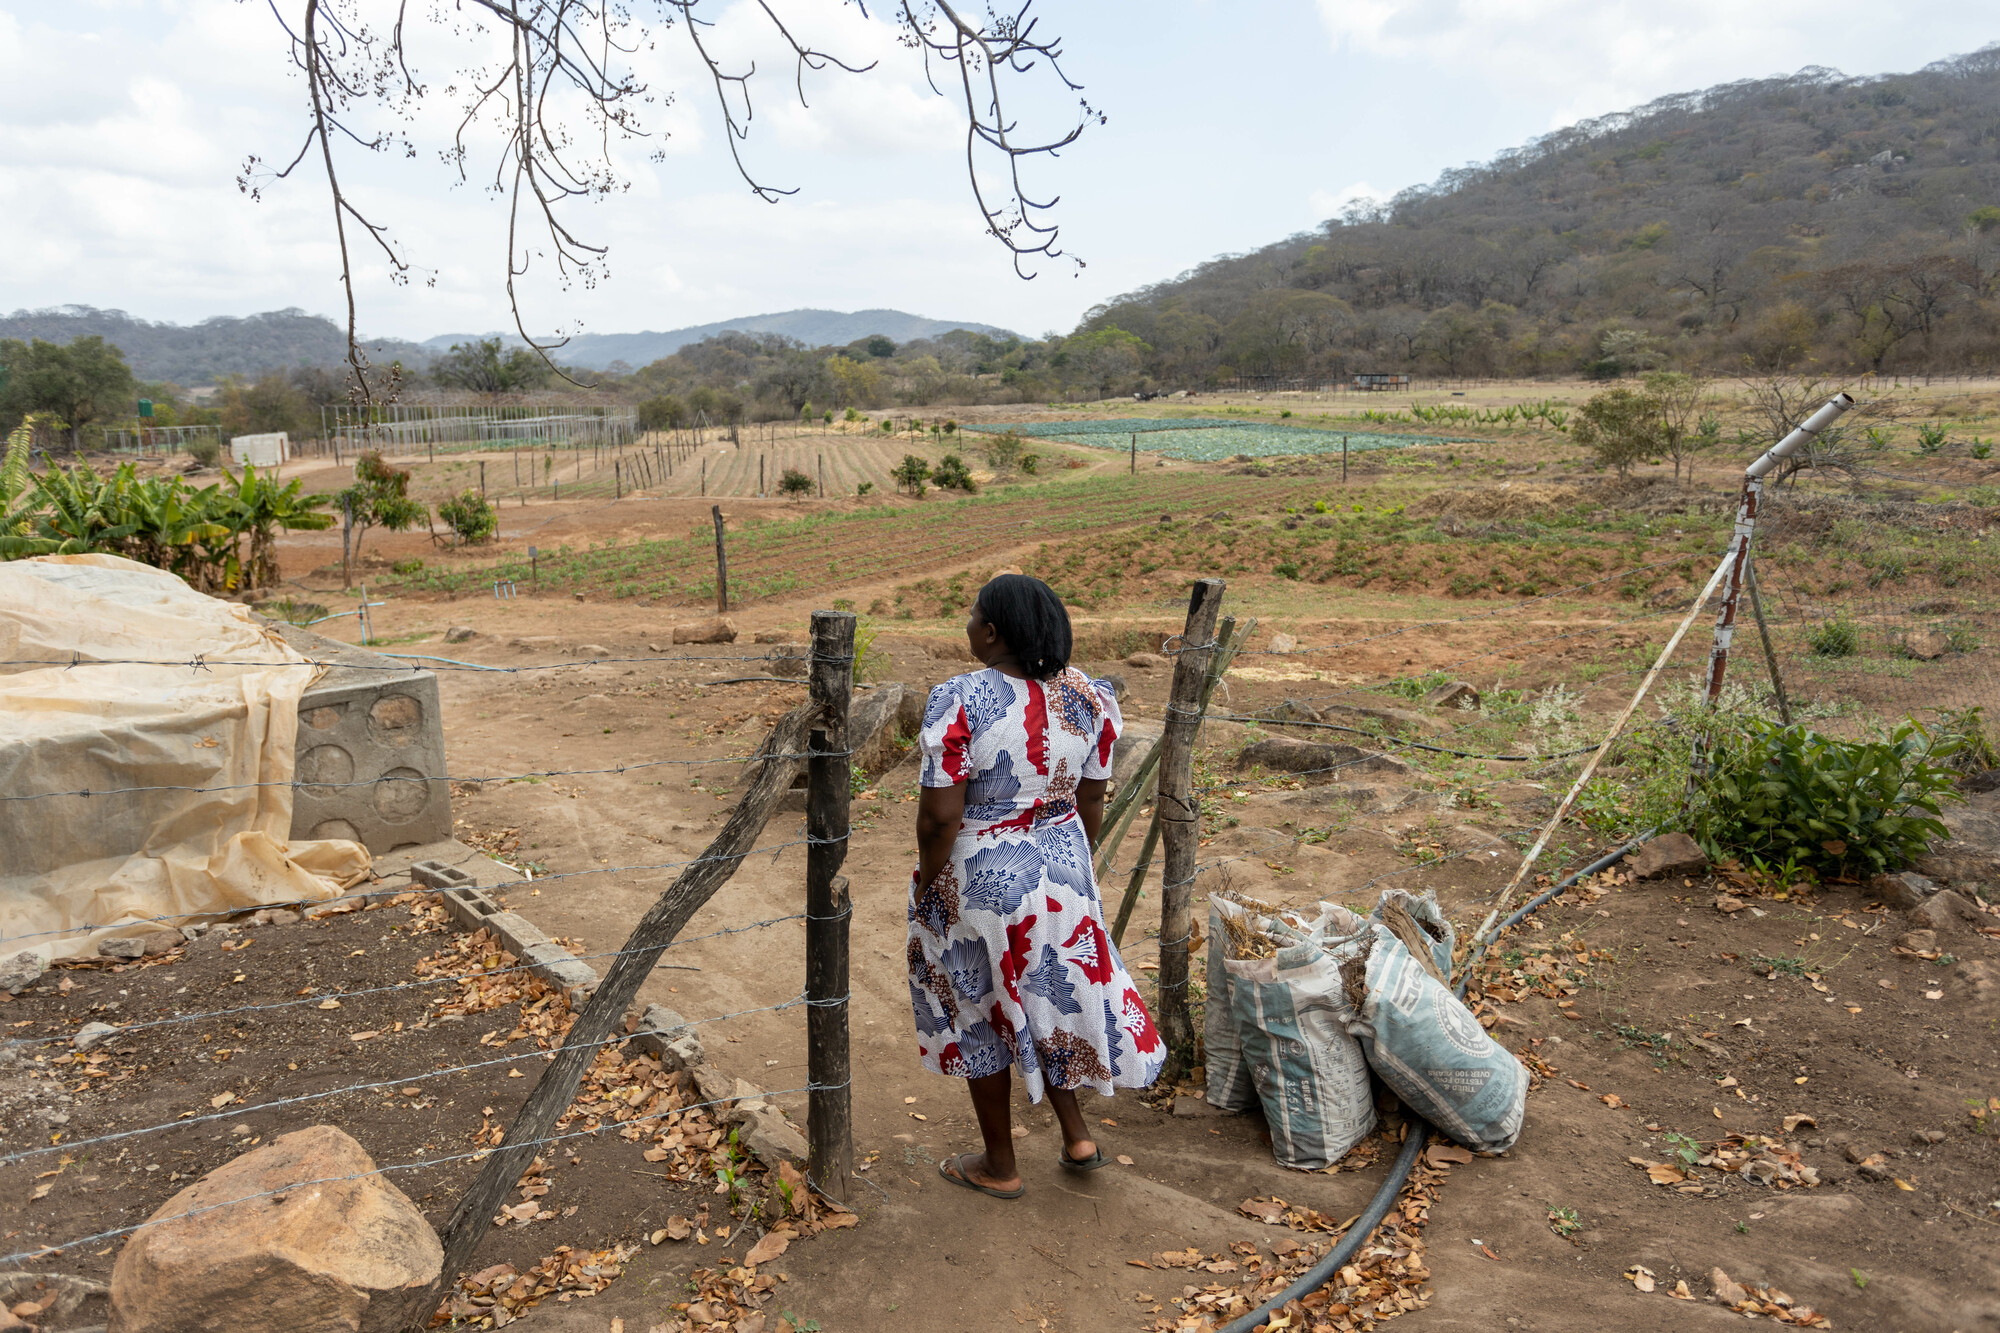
(124, 125)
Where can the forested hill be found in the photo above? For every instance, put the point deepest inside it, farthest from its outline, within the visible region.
(1850, 222)
(189, 354)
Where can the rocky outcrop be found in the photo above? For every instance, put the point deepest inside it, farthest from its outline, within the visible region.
(1322, 759)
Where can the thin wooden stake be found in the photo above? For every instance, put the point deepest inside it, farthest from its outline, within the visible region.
(1770, 657)
(829, 1111)
(721, 563)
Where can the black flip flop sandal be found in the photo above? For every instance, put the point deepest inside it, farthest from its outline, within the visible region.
(1081, 1165)
(964, 1181)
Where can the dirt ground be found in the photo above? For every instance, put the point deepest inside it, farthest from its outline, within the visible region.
(1643, 1009)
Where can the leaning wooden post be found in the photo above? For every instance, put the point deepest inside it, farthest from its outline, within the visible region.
(829, 1114)
(721, 564)
(1770, 653)
(1180, 816)
(776, 766)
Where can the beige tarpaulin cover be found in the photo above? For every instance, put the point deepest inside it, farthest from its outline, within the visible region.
(150, 717)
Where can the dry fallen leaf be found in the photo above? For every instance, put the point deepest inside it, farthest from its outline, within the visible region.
(1445, 1154)
(1640, 1276)
(1886, 984)
(1123, 1160)
(678, 1228)
(41, 1191)
(329, 1004)
(1612, 1100)
(221, 1099)
(1681, 1292)
(918, 1115)
(1138, 1263)
(767, 1249)
(1903, 1184)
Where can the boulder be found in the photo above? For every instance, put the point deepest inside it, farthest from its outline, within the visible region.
(1970, 854)
(158, 942)
(22, 970)
(910, 712)
(871, 726)
(1926, 645)
(772, 636)
(460, 634)
(1903, 890)
(1669, 854)
(1458, 694)
(1129, 751)
(1324, 759)
(1395, 719)
(1943, 911)
(593, 650)
(764, 1131)
(329, 1256)
(1917, 941)
(1284, 643)
(1147, 661)
(792, 660)
(949, 650)
(124, 946)
(1480, 847)
(718, 630)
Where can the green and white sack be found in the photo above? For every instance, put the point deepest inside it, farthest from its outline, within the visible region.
(1423, 1042)
(1229, 1086)
(1430, 918)
(1307, 1071)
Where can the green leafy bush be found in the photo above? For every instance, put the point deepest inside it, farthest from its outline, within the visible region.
(470, 516)
(205, 451)
(911, 474)
(795, 483)
(952, 474)
(1031, 464)
(1839, 637)
(1775, 793)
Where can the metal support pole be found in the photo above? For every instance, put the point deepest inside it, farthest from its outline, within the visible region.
(1738, 558)
(1770, 657)
(829, 1108)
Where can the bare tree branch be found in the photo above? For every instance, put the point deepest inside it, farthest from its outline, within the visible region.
(574, 58)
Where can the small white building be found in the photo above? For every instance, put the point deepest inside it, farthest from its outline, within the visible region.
(261, 450)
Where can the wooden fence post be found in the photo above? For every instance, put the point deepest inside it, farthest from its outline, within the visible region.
(829, 1113)
(606, 1008)
(1180, 816)
(721, 564)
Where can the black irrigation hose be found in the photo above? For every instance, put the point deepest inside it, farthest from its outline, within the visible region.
(1378, 1207)
(1402, 744)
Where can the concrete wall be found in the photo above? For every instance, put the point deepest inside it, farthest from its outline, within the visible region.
(371, 763)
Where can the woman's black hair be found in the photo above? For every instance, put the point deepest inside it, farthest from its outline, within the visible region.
(1028, 615)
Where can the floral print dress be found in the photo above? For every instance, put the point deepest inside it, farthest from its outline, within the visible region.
(1009, 959)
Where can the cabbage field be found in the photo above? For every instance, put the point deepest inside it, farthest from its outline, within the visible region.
(1204, 440)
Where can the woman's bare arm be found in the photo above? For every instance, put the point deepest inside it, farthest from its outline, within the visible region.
(1090, 806)
(940, 811)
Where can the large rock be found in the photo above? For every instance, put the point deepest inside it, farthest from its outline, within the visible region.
(1669, 854)
(20, 971)
(1129, 751)
(1458, 694)
(307, 1250)
(1360, 715)
(661, 1032)
(792, 660)
(1971, 854)
(872, 727)
(1147, 661)
(1903, 890)
(1926, 645)
(1323, 759)
(718, 630)
(1944, 911)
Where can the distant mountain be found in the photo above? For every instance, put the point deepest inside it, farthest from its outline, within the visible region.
(815, 328)
(190, 354)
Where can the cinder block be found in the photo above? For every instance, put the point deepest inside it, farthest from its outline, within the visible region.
(544, 957)
(371, 763)
(662, 1032)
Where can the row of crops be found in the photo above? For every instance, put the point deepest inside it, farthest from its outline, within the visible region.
(1204, 440)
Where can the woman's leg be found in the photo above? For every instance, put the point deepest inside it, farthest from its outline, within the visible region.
(991, 1097)
(1077, 1142)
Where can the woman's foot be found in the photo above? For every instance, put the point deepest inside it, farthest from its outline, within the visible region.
(970, 1171)
(1083, 1150)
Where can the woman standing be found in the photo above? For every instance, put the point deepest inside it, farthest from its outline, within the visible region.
(1009, 961)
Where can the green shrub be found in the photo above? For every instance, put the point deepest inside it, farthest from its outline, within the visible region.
(1839, 637)
(888, 426)
(795, 483)
(1775, 794)
(911, 474)
(863, 487)
(1930, 437)
(1031, 464)
(853, 414)
(470, 516)
(205, 451)
(407, 567)
(952, 474)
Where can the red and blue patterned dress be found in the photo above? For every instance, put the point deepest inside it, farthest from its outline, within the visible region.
(1009, 959)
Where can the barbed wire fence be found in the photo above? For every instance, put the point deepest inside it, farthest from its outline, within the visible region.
(813, 736)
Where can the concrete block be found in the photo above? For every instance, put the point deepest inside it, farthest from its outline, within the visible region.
(543, 956)
(661, 1032)
(371, 762)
